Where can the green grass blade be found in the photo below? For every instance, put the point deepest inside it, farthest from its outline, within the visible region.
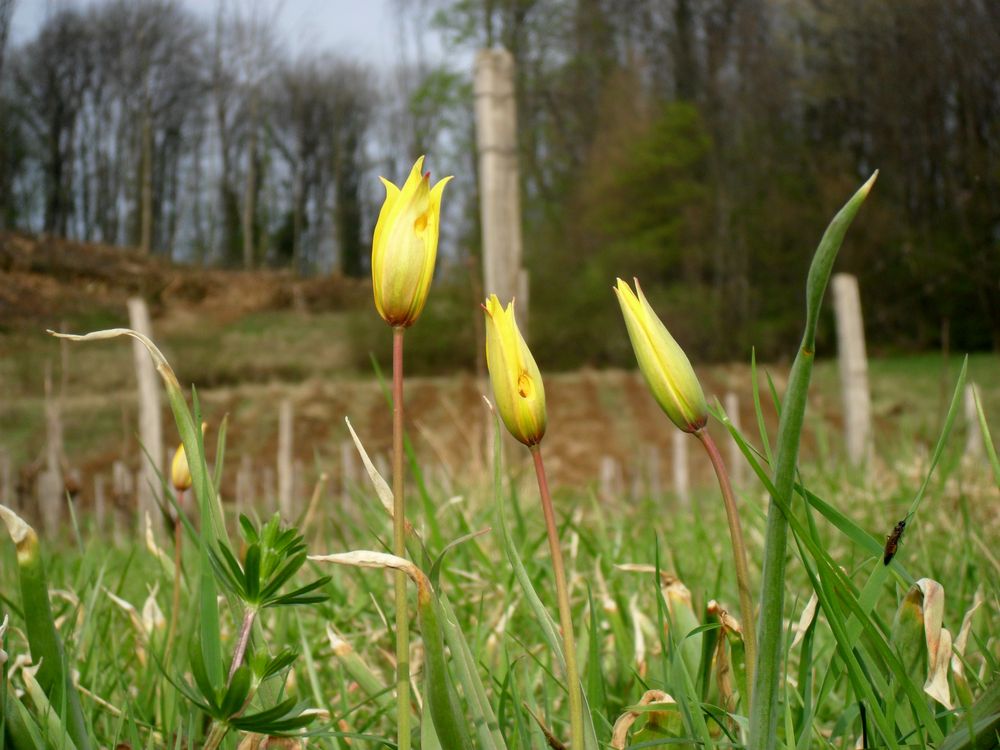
(220, 454)
(543, 618)
(54, 675)
(484, 718)
(764, 706)
(984, 428)
(765, 440)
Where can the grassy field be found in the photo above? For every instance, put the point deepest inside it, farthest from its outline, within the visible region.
(243, 366)
(217, 631)
(630, 628)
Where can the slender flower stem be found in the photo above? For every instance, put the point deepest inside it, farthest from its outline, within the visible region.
(216, 734)
(219, 729)
(739, 556)
(176, 600)
(565, 615)
(241, 643)
(399, 547)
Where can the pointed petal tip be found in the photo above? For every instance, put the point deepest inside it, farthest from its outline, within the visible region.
(869, 183)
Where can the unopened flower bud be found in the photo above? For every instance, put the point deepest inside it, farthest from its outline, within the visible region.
(664, 365)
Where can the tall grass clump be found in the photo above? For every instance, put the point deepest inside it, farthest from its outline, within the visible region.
(589, 625)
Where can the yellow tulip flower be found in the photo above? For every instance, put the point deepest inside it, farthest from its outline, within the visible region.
(663, 363)
(517, 383)
(405, 246)
(180, 472)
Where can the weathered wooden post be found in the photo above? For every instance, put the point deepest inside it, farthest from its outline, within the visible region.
(150, 425)
(737, 466)
(682, 484)
(124, 497)
(348, 471)
(499, 183)
(100, 504)
(298, 486)
(973, 433)
(853, 368)
(49, 489)
(285, 468)
(244, 486)
(653, 472)
(267, 489)
(610, 477)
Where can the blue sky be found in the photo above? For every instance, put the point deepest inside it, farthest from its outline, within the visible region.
(369, 30)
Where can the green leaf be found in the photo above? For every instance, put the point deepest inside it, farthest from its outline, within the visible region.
(279, 579)
(236, 693)
(251, 572)
(767, 676)
(220, 454)
(43, 639)
(249, 532)
(299, 595)
(201, 678)
(278, 663)
(262, 720)
(984, 429)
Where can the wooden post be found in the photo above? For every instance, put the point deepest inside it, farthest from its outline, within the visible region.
(285, 468)
(123, 494)
(121, 483)
(49, 489)
(150, 426)
(682, 482)
(244, 486)
(100, 504)
(499, 182)
(267, 490)
(348, 470)
(973, 433)
(853, 368)
(655, 488)
(298, 484)
(737, 464)
(609, 479)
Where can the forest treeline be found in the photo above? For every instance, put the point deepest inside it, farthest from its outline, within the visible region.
(700, 145)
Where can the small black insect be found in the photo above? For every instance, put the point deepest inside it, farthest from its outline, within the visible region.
(892, 542)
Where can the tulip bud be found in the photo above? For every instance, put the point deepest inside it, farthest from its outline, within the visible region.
(180, 472)
(517, 383)
(663, 363)
(405, 246)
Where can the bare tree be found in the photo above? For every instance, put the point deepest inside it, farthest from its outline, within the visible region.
(6, 13)
(51, 77)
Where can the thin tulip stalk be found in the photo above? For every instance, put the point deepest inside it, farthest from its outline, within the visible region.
(176, 598)
(404, 249)
(520, 399)
(739, 555)
(562, 595)
(674, 385)
(180, 478)
(399, 545)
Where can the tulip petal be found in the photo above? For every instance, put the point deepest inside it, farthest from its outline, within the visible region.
(404, 247)
(661, 360)
(517, 382)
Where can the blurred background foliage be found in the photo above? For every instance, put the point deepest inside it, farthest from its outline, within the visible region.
(697, 144)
